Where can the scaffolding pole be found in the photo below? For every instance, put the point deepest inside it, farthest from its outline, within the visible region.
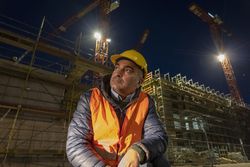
(22, 94)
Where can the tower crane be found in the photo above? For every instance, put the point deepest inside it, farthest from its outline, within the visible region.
(102, 40)
(217, 30)
(71, 20)
(66, 24)
(105, 5)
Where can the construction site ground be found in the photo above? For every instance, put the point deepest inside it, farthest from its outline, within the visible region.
(234, 165)
(223, 165)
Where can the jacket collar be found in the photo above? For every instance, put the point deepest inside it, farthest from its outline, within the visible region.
(117, 97)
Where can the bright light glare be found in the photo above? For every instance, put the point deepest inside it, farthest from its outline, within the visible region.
(210, 15)
(108, 40)
(97, 35)
(221, 57)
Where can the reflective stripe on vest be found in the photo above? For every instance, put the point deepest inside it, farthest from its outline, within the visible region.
(109, 140)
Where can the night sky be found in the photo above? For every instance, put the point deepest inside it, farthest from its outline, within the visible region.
(178, 42)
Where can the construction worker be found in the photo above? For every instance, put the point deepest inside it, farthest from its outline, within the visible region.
(117, 124)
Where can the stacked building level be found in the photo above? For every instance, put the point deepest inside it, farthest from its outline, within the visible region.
(198, 119)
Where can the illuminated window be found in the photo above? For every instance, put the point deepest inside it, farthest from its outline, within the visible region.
(187, 126)
(177, 125)
(195, 125)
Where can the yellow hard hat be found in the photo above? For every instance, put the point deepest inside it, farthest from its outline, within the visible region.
(134, 56)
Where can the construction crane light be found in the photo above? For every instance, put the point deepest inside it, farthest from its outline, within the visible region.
(97, 36)
(108, 40)
(221, 57)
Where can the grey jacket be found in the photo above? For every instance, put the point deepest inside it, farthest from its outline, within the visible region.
(80, 133)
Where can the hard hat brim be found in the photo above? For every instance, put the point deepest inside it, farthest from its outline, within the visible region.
(115, 57)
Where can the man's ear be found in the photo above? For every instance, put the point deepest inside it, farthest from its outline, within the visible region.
(138, 84)
(140, 81)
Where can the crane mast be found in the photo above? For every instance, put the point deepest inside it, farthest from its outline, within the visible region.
(217, 30)
(102, 42)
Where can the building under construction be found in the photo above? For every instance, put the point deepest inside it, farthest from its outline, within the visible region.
(204, 125)
(38, 95)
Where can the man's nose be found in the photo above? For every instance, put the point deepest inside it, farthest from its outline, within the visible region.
(119, 72)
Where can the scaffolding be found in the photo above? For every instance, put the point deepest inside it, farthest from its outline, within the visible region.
(38, 96)
(202, 123)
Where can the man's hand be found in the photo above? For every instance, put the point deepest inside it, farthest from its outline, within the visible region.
(130, 159)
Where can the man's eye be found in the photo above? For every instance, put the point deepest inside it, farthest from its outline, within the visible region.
(128, 70)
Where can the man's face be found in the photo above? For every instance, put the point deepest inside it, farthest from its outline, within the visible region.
(126, 77)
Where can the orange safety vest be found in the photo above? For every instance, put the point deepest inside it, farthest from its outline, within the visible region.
(109, 141)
